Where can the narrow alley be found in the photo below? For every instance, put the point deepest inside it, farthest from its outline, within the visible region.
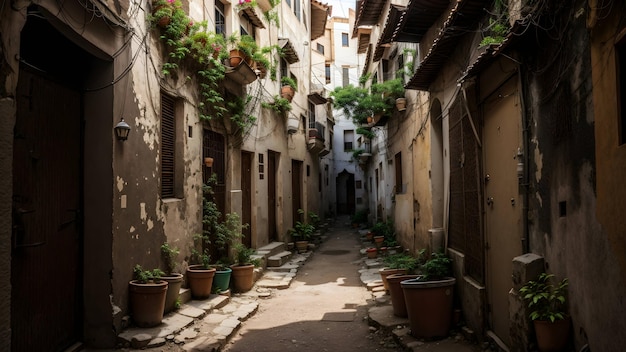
(335, 302)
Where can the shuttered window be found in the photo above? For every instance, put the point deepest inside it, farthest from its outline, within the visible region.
(168, 146)
(398, 162)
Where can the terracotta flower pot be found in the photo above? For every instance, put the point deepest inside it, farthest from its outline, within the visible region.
(243, 277)
(200, 281)
(147, 302)
(371, 253)
(287, 92)
(369, 236)
(429, 306)
(397, 294)
(385, 272)
(302, 246)
(236, 57)
(552, 336)
(174, 282)
(378, 240)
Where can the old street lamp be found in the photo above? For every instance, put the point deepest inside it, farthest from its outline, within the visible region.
(121, 130)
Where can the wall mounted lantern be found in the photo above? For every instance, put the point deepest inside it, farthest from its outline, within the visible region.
(121, 130)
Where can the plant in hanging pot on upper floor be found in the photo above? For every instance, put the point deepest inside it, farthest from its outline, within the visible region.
(279, 105)
(288, 87)
(547, 302)
(147, 296)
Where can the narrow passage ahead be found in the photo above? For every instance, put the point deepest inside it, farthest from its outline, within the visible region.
(324, 309)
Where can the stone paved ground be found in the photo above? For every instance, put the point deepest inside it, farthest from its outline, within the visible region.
(331, 299)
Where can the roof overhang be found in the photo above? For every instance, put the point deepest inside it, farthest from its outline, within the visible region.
(461, 20)
(288, 51)
(491, 52)
(387, 36)
(419, 16)
(252, 16)
(317, 98)
(367, 13)
(319, 15)
(364, 35)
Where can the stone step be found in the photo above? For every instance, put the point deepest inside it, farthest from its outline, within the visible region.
(273, 248)
(278, 259)
(276, 280)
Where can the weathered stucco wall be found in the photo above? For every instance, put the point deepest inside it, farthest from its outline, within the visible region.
(578, 231)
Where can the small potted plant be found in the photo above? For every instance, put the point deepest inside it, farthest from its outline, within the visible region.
(243, 269)
(546, 302)
(227, 234)
(279, 105)
(147, 296)
(399, 267)
(429, 298)
(302, 233)
(174, 279)
(288, 88)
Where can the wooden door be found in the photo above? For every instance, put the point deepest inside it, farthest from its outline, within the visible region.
(246, 193)
(503, 203)
(272, 163)
(296, 190)
(46, 272)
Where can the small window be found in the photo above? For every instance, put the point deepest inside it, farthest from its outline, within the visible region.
(261, 166)
(220, 22)
(327, 73)
(171, 156)
(344, 39)
(359, 184)
(346, 76)
(348, 140)
(311, 115)
(320, 48)
(398, 162)
(620, 50)
(296, 8)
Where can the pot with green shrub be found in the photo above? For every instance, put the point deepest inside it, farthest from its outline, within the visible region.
(243, 269)
(174, 279)
(546, 303)
(301, 233)
(429, 298)
(147, 296)
(399, 267)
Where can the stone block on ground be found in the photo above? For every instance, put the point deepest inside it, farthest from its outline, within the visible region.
(278, 259)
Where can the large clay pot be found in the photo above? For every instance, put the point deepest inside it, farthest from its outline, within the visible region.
(429, 306)
(174, 282)
(221, 280)
(552, 336)
(200, 281)
(397, 294)
(147, 302)
(385, 272)
(243, 277)
(302, 246)
(236, 57)
(287, 92)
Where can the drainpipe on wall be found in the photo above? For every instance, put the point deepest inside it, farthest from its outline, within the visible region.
(525, 180)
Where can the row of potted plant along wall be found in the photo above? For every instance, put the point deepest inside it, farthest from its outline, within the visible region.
(155, 292)
(422, 290)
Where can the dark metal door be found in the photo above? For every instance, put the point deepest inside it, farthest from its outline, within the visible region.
(46, 298)
(271, 195)
(296, 190)
(246, 193)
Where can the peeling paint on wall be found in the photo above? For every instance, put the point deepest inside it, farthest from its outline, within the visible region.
(120, 184)
(143, 216)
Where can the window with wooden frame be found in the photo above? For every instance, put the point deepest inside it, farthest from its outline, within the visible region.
(348, 140)
(171, 147)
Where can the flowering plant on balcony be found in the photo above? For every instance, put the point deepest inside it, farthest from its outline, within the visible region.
(245, 4)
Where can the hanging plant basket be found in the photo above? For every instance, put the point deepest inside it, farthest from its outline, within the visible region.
(287, 92)
(208, 162)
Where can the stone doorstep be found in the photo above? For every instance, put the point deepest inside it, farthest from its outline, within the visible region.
(272, 248)
(278, 259)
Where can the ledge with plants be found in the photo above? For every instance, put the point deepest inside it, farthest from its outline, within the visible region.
(191, 47)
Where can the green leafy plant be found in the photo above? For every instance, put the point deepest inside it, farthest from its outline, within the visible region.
(302, 230)
(288, 81)
(435, 268)
(357, 153)
(314, 219)
(497, 32)
(169, 254)
(243, 255)
(404, 261)
(144, 276)
(359, 103)
(366, 132)
(280, 105)
(545, 300)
